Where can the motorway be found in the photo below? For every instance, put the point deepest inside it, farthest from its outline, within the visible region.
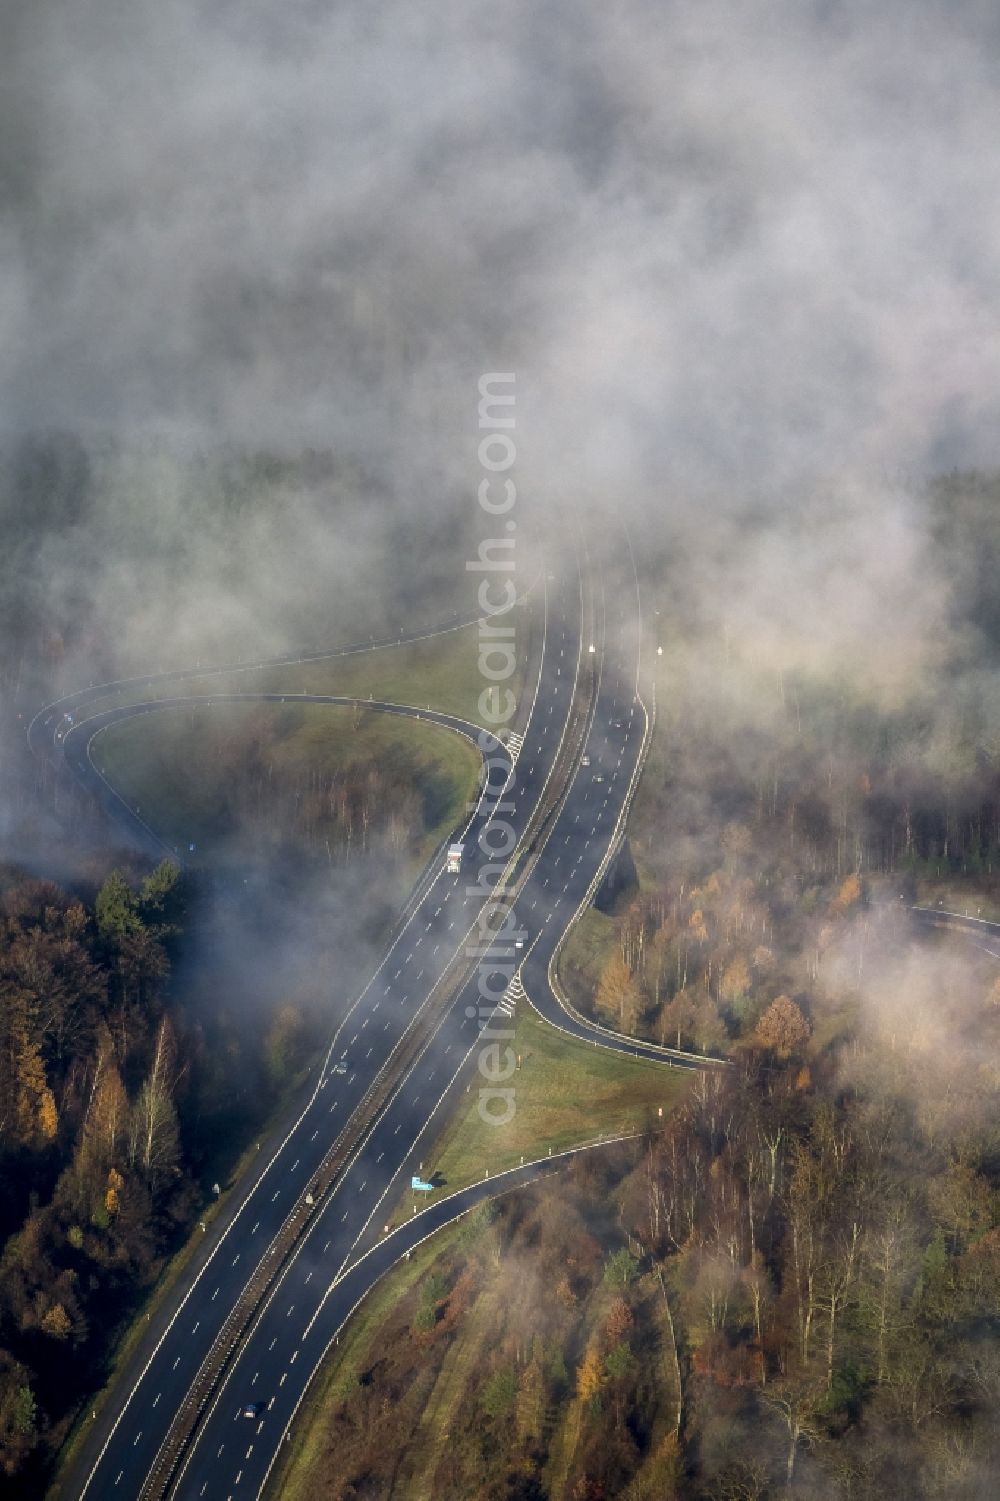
(82, 753)
(343, 1251)
(45, 731)
(55, 735)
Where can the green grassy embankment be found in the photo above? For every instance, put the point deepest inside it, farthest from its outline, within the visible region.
(440, 672)
(584, 955)
(358, 1341)
(401, 1406)
(567, 1093)
(196, 775)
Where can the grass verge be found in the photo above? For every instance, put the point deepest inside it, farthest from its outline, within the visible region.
(199, 775)
(567, 1093)
(165, 1283)
(440, 672)
(292, 1480)
(585, 953)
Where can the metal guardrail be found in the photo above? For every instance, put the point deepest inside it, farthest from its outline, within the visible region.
(237, 1322)
(161, 1476)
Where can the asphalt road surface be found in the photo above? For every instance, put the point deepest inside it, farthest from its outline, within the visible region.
(344, 1250)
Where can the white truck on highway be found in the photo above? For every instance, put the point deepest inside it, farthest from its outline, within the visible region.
(453, 863)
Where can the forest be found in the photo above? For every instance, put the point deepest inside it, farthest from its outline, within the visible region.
(789, 1288)
(782, 799)
(682, 320)
(127, 1010)
(132, 998)
(792, 1287)
(97, 1181)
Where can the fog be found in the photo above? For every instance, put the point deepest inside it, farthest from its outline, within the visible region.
(927, 1011)
(743, 257)
(744, 263)
(732, 249)
(744, 260)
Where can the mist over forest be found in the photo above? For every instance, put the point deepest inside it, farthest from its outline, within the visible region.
(744, 261)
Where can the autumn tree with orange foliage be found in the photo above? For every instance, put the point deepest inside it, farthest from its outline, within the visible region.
(80, 1011)
(618, 994)
(589, 1376)
(848, 895)
(782, 1029)
(619, 1322)
(735, 981)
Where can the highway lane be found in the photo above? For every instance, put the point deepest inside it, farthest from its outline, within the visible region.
(595, 818)
(372, 1028)
(434, 931)
(345, 1252)
(81, 746)
(940, 917)
(232, 1457)
(306, 1308)
(48, 725)
(53, 729)
(306, 1302)
(239, 1441)
(343, 1298)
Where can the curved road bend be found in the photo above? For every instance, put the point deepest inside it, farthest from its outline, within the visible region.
(592, 822)
(81, 747)
(116, 1463)
(306, 1304)
(51, 730)
(232, 1457)
(44, 732)
(386, 1251)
